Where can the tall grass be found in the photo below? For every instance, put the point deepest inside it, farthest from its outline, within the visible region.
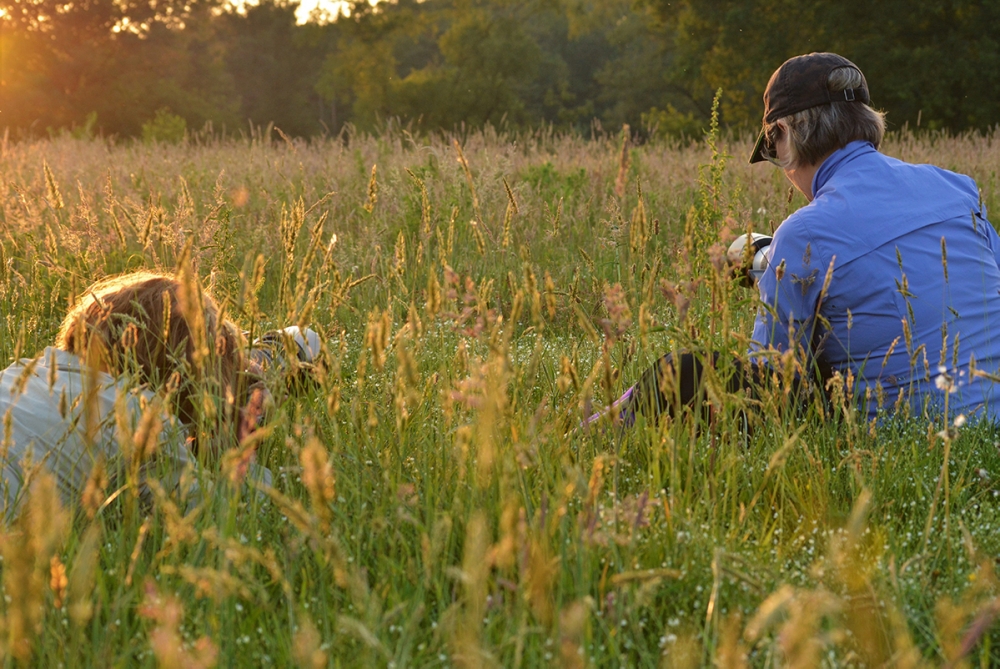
(435, 501)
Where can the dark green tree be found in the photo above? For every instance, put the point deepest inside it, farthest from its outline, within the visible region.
(274, 64)
(487, 63)
(444, 63)
(360, 66)
(122, 60)
(935, 59)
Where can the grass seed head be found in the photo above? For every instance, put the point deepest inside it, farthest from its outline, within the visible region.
(168, 645)
(57, 580)
(623, 162)
(27, 552)
(372, 191)
(307, 644)
(317, 475)
(55, 197)
(94, 491)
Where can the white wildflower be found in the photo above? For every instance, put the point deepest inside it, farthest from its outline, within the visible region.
(945, 383)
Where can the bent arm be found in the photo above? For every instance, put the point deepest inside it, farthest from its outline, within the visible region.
(990, 233)
(789, 295)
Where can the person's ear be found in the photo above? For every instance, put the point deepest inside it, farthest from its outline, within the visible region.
(781, 140)
(782, 134)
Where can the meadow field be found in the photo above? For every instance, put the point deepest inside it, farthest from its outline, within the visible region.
(435, 501)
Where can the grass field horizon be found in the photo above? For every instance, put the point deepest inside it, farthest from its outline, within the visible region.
(435, 501)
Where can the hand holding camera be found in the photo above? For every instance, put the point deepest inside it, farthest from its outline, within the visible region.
(290, 353)
(748, 257)
(278, 358)
(270, 348)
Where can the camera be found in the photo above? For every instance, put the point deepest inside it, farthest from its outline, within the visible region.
(290, 352)
(748, 256)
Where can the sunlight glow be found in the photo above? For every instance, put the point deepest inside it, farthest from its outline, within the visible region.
(322, 11)
(326, 9)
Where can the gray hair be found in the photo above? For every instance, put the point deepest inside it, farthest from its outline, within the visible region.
(814, 133)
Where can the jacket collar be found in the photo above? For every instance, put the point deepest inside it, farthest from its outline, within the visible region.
(838, 158)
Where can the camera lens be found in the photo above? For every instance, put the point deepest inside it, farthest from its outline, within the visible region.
(748, 254)
(289, 354)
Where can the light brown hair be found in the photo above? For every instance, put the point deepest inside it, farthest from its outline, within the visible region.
(165, 331)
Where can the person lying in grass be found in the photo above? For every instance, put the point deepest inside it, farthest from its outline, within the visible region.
(142, 383)
(888, 277)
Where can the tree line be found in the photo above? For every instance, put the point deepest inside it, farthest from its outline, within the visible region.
(158, 67)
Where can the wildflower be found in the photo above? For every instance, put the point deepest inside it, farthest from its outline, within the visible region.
(944, 381)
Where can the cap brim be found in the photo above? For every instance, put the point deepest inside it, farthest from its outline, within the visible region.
(757, 155)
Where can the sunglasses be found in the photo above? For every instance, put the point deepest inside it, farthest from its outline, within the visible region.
(770, 149)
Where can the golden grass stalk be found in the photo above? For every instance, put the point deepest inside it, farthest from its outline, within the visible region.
(508, 214)
(318, 478)
(28, 549)
(306, 644)
(165, 639)
(369, 206)
(80, 589)
(55, 198)
(465, 635)
(623, 162)
(469, 180)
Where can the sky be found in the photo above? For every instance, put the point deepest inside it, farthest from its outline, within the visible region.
(330, 6)
(307, 6)
(305, 9)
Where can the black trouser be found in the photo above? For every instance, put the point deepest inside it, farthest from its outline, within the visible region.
(674, 382)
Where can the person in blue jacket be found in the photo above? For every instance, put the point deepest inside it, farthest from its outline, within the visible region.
(888, 275)
(912, 307)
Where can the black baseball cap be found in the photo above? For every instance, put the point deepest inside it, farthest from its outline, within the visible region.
(801, 83)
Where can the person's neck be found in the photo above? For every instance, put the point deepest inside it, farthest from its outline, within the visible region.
(802, 176)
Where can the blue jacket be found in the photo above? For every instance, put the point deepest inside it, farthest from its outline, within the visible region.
(913, 301)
